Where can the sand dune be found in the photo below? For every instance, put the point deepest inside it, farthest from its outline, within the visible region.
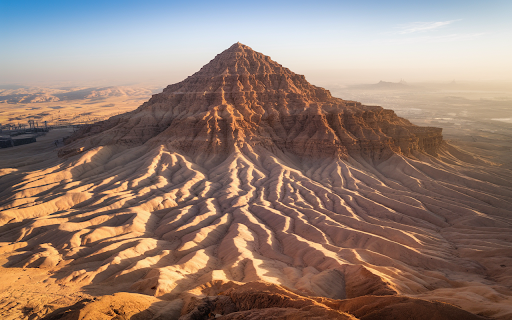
(162, 215)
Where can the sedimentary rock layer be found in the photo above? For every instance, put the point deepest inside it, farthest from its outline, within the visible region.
(244, 99)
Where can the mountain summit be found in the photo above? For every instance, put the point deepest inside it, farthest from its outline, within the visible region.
(243, 99)
(244, 192)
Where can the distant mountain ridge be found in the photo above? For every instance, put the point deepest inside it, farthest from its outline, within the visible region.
(26, 94)
(386, 85)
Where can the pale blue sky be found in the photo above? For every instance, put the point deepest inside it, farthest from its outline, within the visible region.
(121, 42)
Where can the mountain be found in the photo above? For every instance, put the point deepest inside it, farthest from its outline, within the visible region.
(243, 99)
(385, 85)
(245, 191)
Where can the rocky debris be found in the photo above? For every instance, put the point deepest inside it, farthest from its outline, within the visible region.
(259, 300)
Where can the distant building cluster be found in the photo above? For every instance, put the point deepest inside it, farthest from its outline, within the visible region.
(18, 134)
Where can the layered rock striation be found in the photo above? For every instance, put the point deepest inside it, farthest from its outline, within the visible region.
(244, 99)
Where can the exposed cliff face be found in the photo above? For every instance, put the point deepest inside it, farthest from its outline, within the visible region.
(244, 99)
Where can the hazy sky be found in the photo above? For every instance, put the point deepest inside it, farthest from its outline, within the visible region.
(123, 42)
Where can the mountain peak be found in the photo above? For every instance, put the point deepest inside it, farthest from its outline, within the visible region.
(239, 70)
(239, 47)
(241, 59)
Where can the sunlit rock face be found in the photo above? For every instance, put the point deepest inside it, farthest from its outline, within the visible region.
(245, 172)
(244, 99)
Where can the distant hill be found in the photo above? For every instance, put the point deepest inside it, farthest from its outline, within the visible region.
(385, 85)
(11, 86)
(27, 94)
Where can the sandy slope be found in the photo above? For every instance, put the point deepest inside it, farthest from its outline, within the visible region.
(159, 218)
(152, 221)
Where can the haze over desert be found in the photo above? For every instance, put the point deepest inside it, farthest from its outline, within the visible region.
(140, 181)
